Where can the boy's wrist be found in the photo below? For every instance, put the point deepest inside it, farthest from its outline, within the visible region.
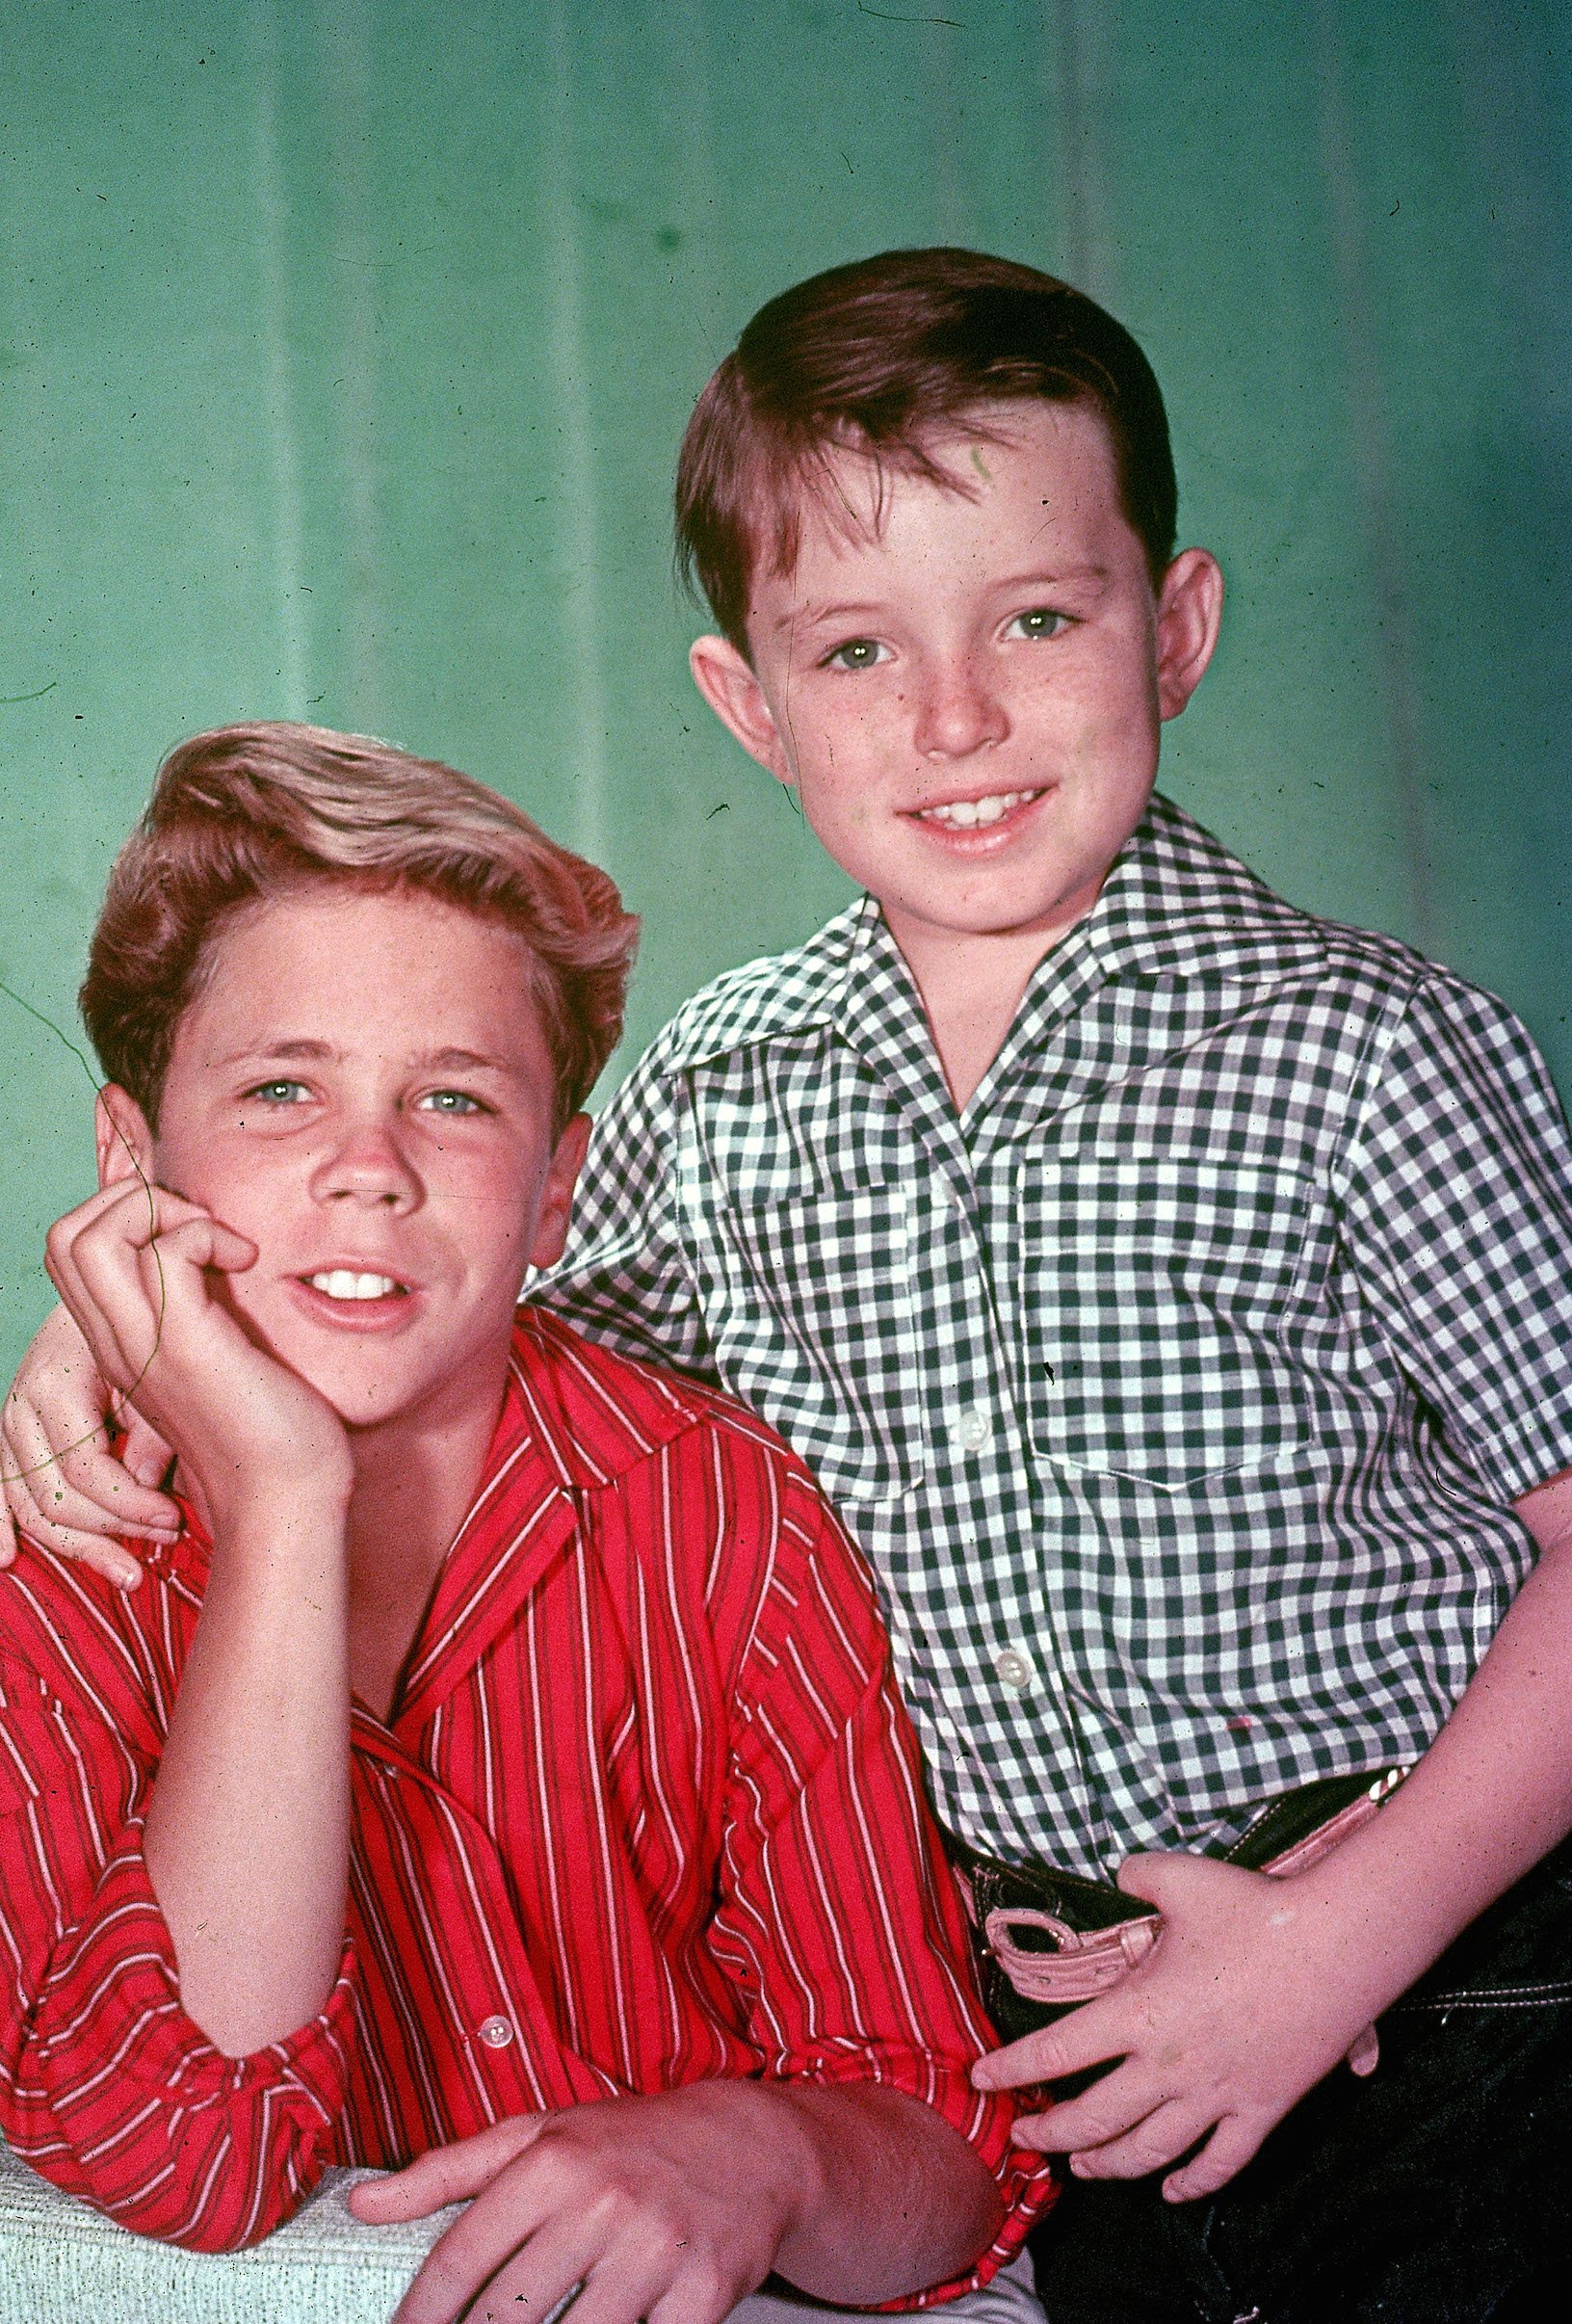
(301, 1521)
(1372, 1925)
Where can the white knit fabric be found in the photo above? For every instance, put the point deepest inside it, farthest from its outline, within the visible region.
(63, 2263)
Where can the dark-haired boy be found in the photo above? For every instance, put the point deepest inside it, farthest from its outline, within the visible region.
(1170, 1289)
(1173, 1292)
(511, 1725)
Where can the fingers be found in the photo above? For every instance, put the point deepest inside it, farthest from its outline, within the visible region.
(1141, 2130)
(146, 1456)
(121, 1259)
(615, 2202)
(1168, 2131)
(490, 2252)
(1147, 1875)
(93, 1261)
(515, 2250)
(446, 2175)
(1233, 2144)
(1107, 2111)
(509, 2205)
(62, 1487)
(47, 1500)
(53, 1432)
(1089, 2035)
(78, 1483)
(133, 1217)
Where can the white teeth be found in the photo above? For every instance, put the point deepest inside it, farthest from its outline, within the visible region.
(340, 1283)
(970, 815)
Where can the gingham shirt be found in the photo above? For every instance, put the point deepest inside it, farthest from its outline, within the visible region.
(646, 1810)
(1178, 1388)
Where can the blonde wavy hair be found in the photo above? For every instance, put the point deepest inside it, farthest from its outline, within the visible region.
(249, 813)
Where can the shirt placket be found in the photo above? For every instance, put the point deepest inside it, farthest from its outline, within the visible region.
(980, 1626)
(1005, 1730)
(1052, 1775)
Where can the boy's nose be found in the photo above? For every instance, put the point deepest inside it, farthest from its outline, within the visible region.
(959, 712)
(367, 1168)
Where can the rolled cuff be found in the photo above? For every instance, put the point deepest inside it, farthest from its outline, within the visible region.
(119, 2096)
(1029, 2184)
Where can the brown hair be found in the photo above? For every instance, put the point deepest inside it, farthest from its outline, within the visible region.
(875, 357)
(251, 813)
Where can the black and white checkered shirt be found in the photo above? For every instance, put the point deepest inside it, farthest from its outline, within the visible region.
(1177, 1390)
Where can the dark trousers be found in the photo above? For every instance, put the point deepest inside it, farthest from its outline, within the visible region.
(1437, 2192)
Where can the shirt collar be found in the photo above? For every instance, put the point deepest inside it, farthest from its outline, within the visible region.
(1176, 902)
(574, 1418)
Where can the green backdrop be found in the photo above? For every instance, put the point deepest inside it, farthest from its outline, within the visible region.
(345, 346)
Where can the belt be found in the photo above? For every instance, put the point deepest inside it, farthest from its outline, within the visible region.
(1048, 1940)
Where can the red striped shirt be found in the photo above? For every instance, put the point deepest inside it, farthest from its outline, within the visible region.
(647, 1809)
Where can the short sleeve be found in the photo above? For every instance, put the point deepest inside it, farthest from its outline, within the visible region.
(1457, 1204)
(624, 1279)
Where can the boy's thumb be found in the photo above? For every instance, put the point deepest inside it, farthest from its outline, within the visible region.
(1149, 1876)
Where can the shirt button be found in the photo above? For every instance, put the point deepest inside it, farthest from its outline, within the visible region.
(1015, 1670)
(496, 2033)
(972, 1428)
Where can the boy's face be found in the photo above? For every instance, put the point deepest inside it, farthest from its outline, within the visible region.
(965, 688)
(363, 1088)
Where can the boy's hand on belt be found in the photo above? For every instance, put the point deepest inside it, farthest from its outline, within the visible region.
(1252, 1995)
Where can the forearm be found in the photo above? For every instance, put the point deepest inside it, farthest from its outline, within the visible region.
(247, 1838)
(176, 2141)
(895, 2199)
(1490, 1797)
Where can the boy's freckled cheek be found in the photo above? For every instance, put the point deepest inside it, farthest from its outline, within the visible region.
(1098, 742)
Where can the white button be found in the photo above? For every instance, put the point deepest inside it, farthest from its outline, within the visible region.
(1015, 1670)
(972, 1428)
(496, 2033)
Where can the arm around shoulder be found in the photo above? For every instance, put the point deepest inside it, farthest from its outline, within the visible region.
(63, 1488)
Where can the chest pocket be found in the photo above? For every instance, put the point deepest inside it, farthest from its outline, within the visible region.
(1159, 1296)
(809, 1303)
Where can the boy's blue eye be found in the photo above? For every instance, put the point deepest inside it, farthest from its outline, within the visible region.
(279, 1093)
(1041, 622)
(858, 654)
(452, 1101)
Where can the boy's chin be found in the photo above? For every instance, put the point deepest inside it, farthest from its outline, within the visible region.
(373, 1405)
(411, 1397)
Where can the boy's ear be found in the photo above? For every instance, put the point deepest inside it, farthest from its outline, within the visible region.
(550, 1236)
(123, 1140)
(728, 685)
(1189, 617)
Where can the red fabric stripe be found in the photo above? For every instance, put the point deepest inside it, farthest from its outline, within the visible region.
(648, 1801)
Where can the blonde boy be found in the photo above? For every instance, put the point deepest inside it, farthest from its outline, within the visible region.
(459, 1763)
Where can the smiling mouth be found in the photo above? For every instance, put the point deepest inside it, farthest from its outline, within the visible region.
(976, 814)
(341, 1283)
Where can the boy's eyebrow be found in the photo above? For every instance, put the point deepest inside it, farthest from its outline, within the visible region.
(294, 1050)
(798, 613)
(301, 1049)
(466, 1061)
(1054, 576)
